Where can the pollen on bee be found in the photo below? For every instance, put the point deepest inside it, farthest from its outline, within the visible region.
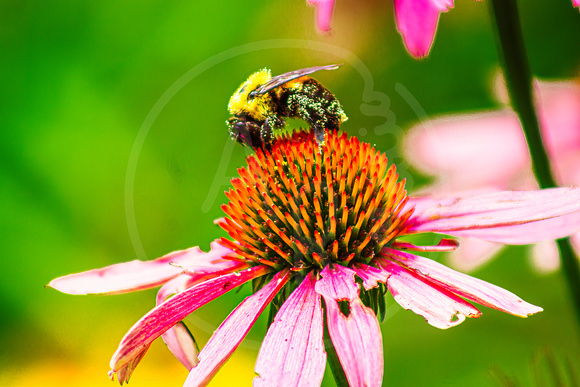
(239, 101)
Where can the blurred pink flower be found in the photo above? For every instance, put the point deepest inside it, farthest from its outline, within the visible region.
(324, 11)
(416, 21)
(304, 221)
(488, 151)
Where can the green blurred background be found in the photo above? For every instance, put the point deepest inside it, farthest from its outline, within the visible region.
(110, 109)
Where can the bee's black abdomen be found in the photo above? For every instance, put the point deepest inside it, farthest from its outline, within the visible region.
(315, 104)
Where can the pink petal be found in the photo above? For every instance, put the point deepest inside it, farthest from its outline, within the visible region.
(170, 312)
(324, 11)
(474, 253)
(357, 337)
(508, 217)
(453, 147)
(424, 203)
(566, 167)
(337, 282)
(213, 263)
(463, 285)
(441, 308)
(176, 285)
(370, 275)
(139, 275)
(421, 204)
(576, 3)
(575, 239)
(182, 345)
(417, 22)
(443, 245)
(178, 338)
(470, 151)
(559, 111)
(232, 331)
(292, 353)
(127, 276)
(358, 342)
(545, 256)
(124, 372)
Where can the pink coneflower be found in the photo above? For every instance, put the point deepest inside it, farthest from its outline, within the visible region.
(324, 11)
(319, 231)
(488, 150)
(416, 21)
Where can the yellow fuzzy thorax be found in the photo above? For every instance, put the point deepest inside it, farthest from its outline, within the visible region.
(256, 107)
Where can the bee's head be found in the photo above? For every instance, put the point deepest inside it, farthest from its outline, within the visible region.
(242, 103)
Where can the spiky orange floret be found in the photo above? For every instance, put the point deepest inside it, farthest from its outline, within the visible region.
(303, 205)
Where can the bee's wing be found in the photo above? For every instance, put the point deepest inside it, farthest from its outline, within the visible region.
(287, 77)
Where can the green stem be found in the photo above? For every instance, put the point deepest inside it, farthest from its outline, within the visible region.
(519, 83)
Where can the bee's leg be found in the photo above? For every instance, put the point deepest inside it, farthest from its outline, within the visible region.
(238, 131)
(311, 110)
(319, 135)
(266, 134)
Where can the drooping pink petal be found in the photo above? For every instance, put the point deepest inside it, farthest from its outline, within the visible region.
(178, 339)
(337, 282)
(182, 345)
(370, 275)
(127, 276)
(513, 217)
(139, 275)
(292, 353)
(441, 308)
(473, 253)
(443, 245)
(170, 312)
(417, 22)
(464, 285)
(125, 372)
(176, 285)
(232, 331)
(213, 263)
(357, 336)
(576, 3)
(324, 11)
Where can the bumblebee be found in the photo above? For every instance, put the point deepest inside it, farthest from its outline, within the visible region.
(261, 103)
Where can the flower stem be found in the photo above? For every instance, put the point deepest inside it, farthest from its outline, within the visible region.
(519, 84)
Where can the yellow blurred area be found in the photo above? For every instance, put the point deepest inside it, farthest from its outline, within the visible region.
(158, 368)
